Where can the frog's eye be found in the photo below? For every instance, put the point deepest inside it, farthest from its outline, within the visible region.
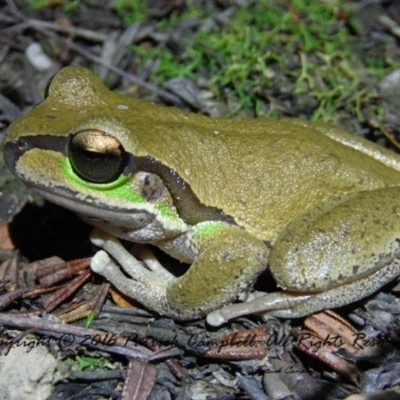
(97, 156)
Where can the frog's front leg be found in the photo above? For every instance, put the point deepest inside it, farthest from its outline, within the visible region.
(227, 261)
(337, 253)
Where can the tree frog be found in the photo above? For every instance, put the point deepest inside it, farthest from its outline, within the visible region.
(316, 205)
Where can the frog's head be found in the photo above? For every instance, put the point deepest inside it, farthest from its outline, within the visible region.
(75, 150)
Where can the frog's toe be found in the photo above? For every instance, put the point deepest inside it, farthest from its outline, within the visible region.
(215, 318)
(151, 293)
(99, 237)
(100, 261)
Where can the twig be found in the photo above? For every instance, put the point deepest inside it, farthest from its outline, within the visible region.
(84, 33)
(85, 53)
(70, 335)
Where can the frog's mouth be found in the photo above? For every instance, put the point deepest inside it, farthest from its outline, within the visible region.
(94, 211)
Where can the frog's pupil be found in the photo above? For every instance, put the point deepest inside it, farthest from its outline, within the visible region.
(97, 167)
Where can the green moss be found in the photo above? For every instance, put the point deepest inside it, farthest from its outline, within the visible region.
(267, 48)
(90, 362)
(131, 11)
(68, 5)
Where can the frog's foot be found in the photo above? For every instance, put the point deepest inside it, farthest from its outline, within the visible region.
(294, 305)
(228, 262)
(258, 303)
(147, 286)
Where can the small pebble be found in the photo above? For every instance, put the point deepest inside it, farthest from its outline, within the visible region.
(37, 57)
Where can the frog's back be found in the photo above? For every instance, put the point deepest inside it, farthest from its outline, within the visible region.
(265, 173)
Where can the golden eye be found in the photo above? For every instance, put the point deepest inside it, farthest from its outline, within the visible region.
(97, 156)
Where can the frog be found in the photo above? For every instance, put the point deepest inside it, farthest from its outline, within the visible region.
(308, 206)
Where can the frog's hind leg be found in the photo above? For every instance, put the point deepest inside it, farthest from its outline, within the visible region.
(334, 254)
(345, 294)
(295, 305)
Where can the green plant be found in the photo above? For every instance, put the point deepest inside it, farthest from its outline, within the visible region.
(267, 46)
(89, 362)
